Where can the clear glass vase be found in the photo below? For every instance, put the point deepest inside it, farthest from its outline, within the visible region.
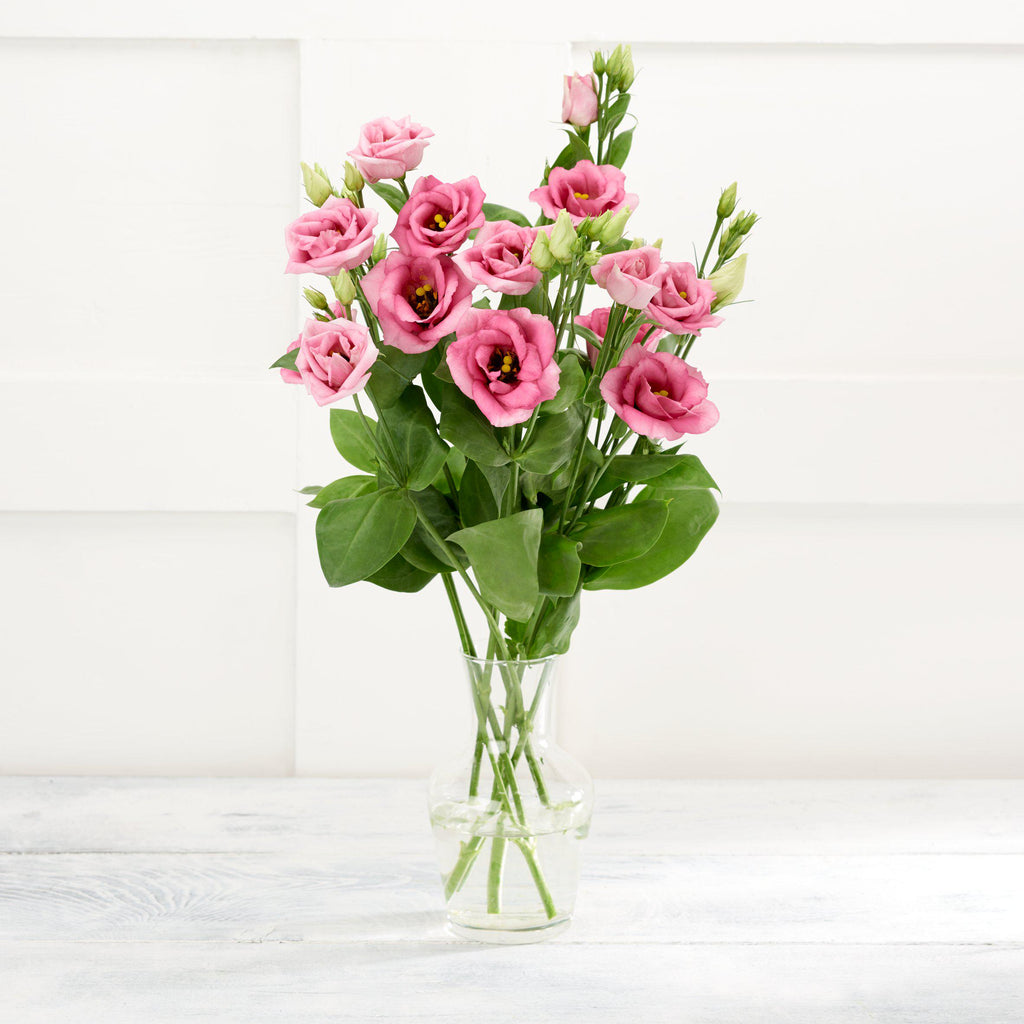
(508, 815)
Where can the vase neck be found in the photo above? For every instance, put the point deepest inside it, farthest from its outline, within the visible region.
(518, 693)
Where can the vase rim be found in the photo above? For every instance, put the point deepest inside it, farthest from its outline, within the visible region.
(475, 660)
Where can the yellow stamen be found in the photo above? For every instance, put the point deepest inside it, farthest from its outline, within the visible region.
(664, 394)
(421, 291)
(440, 221)
(582, 195)
(682, 295)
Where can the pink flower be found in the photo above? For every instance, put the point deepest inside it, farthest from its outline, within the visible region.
(438, 217)
(579, 100)
(683, 305)
(658, 395)
(503, 360)
(631, 278)
(586, 190)
(499, 258)
(389, 149)
(597, 321)
(417, 299)
(337, 236)
(334, 359)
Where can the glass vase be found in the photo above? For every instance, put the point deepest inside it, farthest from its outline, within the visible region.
(509, 814)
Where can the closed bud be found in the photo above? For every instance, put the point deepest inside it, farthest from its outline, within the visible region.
(613, 227)
(613, 64)
(728, 282)
(380, 247)
(540, 254)
(316, 299)
(732, 246)
(747, 223)
(727, 202)
(353, 179)
(591, 258)
(563, 238)
(627, 73)
(599, 64)
(637, 243)
(344, 286)
(316, 184)
(732, 231)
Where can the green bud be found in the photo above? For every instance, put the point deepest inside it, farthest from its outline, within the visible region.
(599, 64)
(609, 232)
(563, 238)
(316, 299)
(727, 202)
(591, 259)
(728, 281)
(344, 286)
(317, 185)
(613, 64)
(540, 254)
(380, 247)
(748, 222)
(353, 179)
(627, 73)
(730, 249)
(637, 243)
(731, 231)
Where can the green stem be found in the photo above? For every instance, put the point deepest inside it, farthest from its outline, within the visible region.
(494, 875)
(719, 221)
(527, 848)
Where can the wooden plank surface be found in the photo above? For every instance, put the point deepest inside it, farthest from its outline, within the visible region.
(317, 900)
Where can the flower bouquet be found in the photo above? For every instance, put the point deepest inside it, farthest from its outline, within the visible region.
(510, 444)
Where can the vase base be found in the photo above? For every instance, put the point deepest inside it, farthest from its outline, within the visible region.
(505, 932)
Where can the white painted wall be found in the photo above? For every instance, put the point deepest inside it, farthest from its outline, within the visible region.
(854, 613)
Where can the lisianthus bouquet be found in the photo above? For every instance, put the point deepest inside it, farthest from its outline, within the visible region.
(519, 448)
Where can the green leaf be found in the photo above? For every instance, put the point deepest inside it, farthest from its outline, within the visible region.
(558, 566)
(477, 503)
(615, 113)
(346, 487)
(666, 472)
(494, 211)
(553, 442)
(575, 151)
(534, 300)
(286, 362)
(690, 515)
(400, 576)
(393, 371)
(420, 549)
(687, 474)
(571, 381)
(611, 535)
(391, 194)
(349, 435)
(356, 536)
(421, 453)
(619, 149)
(555, 627)
(484, 303)
(465, 426)
(311, 489)
(504, 554)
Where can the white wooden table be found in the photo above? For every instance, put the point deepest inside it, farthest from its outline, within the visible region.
(314, 900)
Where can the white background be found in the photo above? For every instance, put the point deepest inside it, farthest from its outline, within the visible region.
(855, 612)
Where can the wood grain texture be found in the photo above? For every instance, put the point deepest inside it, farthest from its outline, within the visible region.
(718, 903)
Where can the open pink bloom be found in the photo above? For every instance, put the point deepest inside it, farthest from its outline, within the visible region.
(658, 395)
(586, 190)
(334, 359)
(683, 305)
(417, 299)
(438, 217)
(499, 258)
(597, 321)
(337, 236)
(389, 149)
(579, 100)
(293, 376)
(504, 361)
(632, 278)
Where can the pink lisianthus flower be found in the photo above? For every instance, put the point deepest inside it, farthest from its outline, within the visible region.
(597, 321)
(334, 359)
(438, 217)
(293, 376)
(499, 258)
(658, 395)
(337, 236)
(389, 149)
(632, 278)
(586, 190)
(683, 304)
(417, 299)
(504, 361)
(579, 100)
